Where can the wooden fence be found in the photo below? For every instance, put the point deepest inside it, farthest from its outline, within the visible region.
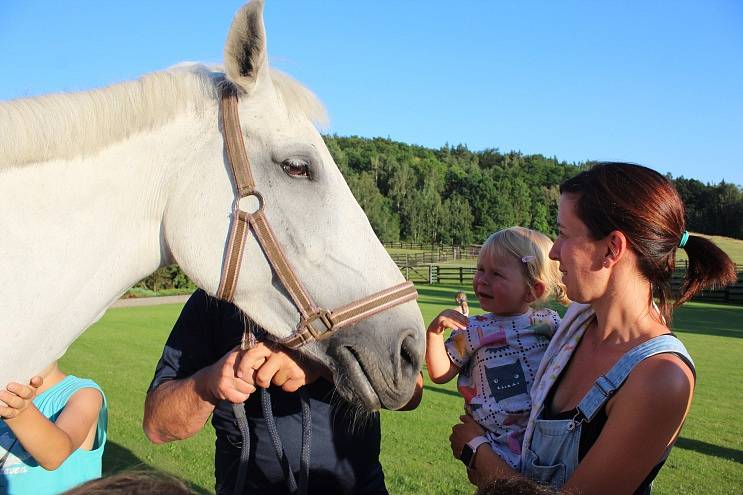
(433, 253)
(433, 257)
(436, 274)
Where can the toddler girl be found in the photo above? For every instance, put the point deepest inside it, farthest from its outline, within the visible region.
(497, 354)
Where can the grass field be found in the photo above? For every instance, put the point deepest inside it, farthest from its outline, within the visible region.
(121, 350)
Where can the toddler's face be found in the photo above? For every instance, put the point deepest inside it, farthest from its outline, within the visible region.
(500, 285)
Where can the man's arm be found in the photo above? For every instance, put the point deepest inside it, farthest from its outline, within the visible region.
(179, 408)
(176, 410)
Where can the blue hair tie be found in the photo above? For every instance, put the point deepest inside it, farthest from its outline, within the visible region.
(684, 238)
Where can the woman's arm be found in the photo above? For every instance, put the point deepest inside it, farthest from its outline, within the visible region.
(50, 444)
(643, 419)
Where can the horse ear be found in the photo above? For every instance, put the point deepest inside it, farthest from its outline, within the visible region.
(245, 50)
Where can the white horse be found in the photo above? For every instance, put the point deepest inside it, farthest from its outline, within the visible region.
(98, 189)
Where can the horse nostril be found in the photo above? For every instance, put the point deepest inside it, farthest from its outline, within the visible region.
(409, 356)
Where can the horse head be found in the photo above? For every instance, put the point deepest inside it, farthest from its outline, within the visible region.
(316, 221)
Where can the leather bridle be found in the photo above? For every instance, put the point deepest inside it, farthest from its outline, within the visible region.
(315, 323)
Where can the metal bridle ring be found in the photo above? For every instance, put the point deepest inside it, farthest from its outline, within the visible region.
(253, 194)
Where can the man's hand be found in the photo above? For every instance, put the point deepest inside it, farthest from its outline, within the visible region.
(17, 398)
(232, 378)
(238, 373)
(281, 370)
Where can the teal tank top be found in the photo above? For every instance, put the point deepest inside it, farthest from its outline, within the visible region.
(19, 472)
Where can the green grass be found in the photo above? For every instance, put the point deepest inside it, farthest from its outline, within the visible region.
(121, 350)
(392, 250)
(142, 292)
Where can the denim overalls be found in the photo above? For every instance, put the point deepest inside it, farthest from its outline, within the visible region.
(552, 456)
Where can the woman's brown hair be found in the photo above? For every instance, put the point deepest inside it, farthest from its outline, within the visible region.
(648, 210)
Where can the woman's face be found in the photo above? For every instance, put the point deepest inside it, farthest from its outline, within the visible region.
(579, 255)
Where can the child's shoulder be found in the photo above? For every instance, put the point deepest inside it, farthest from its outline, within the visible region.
(70, 385)
(74, 383)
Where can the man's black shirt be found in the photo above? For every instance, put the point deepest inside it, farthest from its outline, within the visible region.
(345, 453)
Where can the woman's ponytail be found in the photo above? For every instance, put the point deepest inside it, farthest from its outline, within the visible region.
(709, 267)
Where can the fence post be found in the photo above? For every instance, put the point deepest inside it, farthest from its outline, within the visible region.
(461, 275)
(407, 272)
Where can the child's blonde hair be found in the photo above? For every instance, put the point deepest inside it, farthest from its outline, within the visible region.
(531, 249)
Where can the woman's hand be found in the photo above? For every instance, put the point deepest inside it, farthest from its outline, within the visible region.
(448, 318)
(463, 433)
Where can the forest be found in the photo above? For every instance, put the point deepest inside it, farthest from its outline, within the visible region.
(453, 195)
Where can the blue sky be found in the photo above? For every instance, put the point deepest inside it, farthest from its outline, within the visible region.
(658, 83)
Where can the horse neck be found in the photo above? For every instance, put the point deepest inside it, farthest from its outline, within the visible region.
(96, 224)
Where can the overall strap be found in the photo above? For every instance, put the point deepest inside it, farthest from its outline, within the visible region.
(607, 384)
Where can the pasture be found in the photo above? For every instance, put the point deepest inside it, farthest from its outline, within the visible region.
(121, 350)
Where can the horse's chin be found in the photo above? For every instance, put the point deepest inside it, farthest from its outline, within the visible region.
(353, 383)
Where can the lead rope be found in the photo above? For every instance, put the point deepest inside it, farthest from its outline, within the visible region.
(248, 342)
(304, 462)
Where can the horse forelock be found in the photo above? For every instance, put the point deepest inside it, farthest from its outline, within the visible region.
(68, 125)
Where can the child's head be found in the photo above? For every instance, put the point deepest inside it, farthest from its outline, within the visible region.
(133, 483)
(516, 486)
(526, 252)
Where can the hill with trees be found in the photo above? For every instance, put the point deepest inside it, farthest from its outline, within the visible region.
(453, 195)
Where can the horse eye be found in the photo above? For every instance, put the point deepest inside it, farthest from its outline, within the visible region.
(296, 167)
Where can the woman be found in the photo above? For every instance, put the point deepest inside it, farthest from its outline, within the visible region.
(614, 386)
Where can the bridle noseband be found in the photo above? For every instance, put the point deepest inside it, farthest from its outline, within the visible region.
(315, 323)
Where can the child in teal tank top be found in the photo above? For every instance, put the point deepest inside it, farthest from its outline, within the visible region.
(52, 433)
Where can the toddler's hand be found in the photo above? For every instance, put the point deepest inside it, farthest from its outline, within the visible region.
(447, 319)
(17, 398)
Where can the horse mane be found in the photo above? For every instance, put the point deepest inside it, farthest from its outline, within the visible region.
(68, 125)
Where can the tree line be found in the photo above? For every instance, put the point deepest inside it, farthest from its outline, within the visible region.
(452, 195)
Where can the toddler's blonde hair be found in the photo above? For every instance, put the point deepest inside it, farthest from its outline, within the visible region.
(531, 249)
